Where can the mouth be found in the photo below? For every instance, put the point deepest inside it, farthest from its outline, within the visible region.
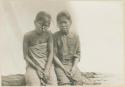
(65, 29)
(41, 28)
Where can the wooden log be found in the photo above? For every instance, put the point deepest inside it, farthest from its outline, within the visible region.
(13, 80)
(89, 78)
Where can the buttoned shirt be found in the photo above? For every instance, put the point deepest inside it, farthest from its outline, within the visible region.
(66, 47)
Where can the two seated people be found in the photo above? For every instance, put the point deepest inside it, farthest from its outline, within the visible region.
(52, 58)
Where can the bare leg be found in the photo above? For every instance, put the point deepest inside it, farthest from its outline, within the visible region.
(52, 78)
(31, 77)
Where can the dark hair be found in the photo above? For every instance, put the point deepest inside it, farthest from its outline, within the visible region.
(64, 14)
(41, 16)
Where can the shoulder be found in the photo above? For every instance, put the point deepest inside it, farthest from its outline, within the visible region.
(56, 34)
(48, 32)
(28, 35)
(74, 35)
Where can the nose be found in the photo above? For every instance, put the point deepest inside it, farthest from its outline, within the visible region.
(63, 24)
(41, 24)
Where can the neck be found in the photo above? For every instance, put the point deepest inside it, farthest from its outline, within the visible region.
(38, 31)
(65, 33)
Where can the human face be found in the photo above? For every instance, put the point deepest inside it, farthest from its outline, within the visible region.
(64, 24)
(42, 25)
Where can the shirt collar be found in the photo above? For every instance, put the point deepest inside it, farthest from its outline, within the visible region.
(69, 35)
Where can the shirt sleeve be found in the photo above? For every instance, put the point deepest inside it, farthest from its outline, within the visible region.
(77, 51)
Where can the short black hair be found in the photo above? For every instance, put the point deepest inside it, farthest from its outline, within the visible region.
(41, 16)
(64, 14)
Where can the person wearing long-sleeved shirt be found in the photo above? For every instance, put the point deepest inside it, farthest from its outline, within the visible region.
(66, 52)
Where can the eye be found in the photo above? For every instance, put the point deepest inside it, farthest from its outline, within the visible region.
(45, 25)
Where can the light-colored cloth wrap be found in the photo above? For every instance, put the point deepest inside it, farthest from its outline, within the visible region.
(38, 53)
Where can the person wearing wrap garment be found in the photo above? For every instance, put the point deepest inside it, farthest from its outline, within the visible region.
(38, 52)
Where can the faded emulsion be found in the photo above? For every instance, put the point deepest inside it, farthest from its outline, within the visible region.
(52, 55)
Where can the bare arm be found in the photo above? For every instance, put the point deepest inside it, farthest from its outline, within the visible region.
(58, 63)
(50, 53)
(25, 52)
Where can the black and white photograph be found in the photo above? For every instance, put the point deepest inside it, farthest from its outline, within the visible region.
(61, 43)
